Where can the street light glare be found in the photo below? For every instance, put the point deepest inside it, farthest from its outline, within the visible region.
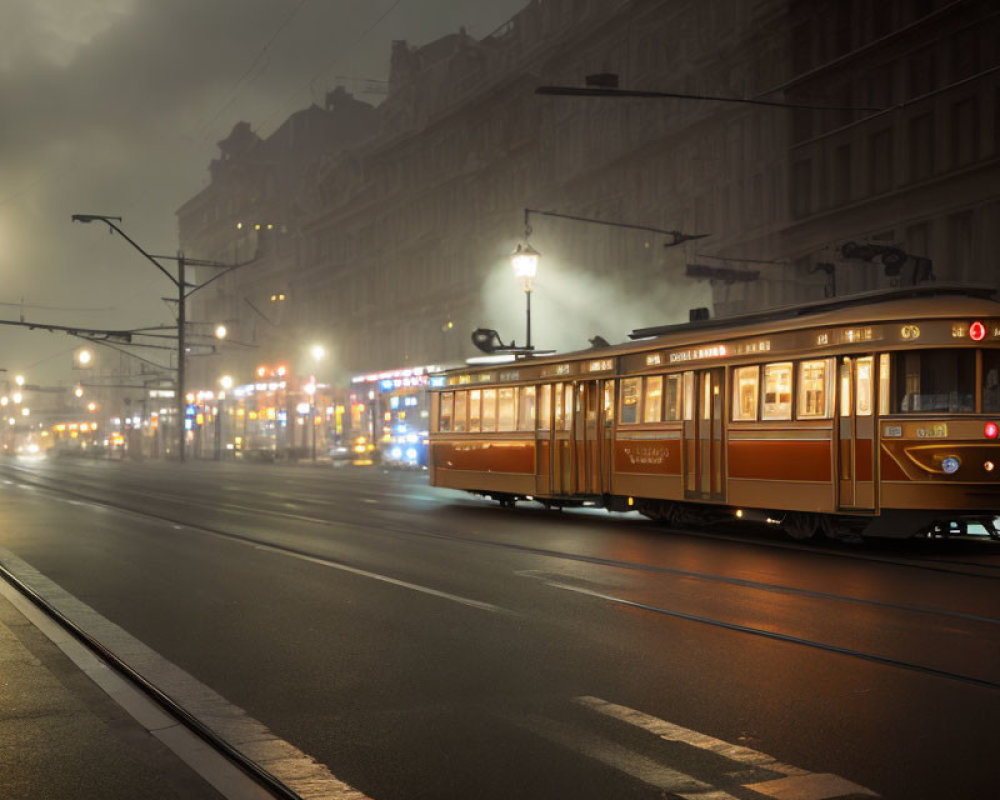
(84, 357)
(226, 381)
(19, 380)
(318, 352)
(220, 331)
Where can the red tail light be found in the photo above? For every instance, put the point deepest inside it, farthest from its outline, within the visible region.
(991, 430)
(977, 331)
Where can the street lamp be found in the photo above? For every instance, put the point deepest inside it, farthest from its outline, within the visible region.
(525, 262)
(184, 290)
(226, 382)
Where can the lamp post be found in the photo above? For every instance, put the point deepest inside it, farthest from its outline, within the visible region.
(524, 259)
(318, 353)
(226, 382)
(184, 290)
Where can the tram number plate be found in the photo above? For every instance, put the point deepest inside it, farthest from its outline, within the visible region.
(892, 431)
(932, 431)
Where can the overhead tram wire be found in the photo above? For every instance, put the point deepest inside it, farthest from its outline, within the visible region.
(326, 70)
(203, 128)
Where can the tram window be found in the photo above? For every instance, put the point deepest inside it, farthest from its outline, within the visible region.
(934, 381)
(863, 379)
(461, 411)
(652, 405)
(557, 407)
(688, 395)
(609, 403)
(505, 409)
(447, 409)
(883, 384)
(777, 391)
(569, 407)
(745, 393)
(489, 409)
(630, 400)
(544, 406)
(814, 389)
(845, 388)
(672, 398)
(475, 409)
(526, 409)
(991, 381)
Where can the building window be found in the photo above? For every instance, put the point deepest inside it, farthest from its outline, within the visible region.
(842, 175)
(964, 132)
(801, 188)
(880, 161)
(745, 393)
(921, 147)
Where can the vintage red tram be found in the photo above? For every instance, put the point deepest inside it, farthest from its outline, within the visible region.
(873, 415)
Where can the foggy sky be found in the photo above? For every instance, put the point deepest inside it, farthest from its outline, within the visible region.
(115, 107)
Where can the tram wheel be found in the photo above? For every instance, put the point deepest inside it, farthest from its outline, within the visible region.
(800, 525)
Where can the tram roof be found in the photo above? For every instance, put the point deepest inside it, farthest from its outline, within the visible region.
(917, 302)
(867, 303)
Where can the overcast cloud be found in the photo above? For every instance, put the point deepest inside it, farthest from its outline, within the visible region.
(115, 107)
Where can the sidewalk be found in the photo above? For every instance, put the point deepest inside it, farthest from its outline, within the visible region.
(62, 736)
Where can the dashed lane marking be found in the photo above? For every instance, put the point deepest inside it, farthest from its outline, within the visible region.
(623, 760)
(798, 784)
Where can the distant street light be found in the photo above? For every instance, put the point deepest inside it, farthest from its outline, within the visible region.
(83, 357)
(184, 290)
(78, 391)
(17, 397)
(220, 331)
(318, 352)
(19, 380)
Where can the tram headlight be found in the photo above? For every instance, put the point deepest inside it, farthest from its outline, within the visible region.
(990, 430)
(950, 465)
(989, 466)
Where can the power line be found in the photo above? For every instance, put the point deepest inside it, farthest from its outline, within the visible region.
(253, 65)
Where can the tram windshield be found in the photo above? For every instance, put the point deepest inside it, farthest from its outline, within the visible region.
(934, 381)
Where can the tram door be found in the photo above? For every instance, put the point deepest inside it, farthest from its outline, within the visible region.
(561, 467)
(589, 441)
(704, 414)
(856, 437)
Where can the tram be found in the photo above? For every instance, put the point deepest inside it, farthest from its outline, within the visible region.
(875, 415)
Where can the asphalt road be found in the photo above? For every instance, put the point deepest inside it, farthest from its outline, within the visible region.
(422, 643)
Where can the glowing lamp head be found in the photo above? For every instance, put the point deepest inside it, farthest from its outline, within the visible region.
(977, 331)
(525, 262)
(991, 430)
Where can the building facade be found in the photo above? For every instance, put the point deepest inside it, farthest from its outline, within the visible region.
(875, 123)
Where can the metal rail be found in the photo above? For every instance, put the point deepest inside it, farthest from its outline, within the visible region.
(167, 703)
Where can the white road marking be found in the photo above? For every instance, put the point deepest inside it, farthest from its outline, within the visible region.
(798, 784)
(624, 760)
(675, 733)
(814, 786)
(309, 778)
(375, 576)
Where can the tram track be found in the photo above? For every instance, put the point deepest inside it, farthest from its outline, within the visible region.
(132, 677)
(941, 613)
